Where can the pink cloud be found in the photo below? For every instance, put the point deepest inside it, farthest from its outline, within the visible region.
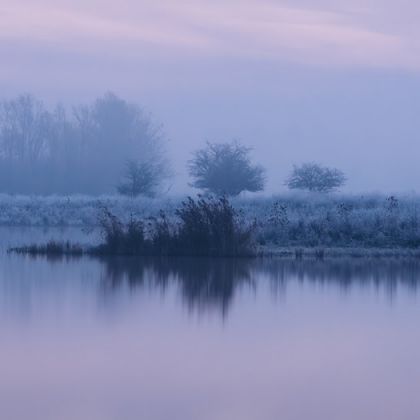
(247, 28)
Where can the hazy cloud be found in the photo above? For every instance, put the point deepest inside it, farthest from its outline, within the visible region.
(247, 28)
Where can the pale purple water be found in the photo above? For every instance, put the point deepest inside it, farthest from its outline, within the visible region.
(214, 340)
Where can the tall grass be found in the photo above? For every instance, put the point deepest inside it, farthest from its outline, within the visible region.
(375, 221)
(213, 227)
(210, 226)
(202, 227)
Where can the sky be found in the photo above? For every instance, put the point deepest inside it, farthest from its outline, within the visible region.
(332, 81)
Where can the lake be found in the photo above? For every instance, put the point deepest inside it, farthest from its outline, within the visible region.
(189, 339)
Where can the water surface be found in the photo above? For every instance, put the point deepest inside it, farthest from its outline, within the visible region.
(207, 339)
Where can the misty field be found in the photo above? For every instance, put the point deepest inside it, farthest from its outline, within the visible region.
(288, 220)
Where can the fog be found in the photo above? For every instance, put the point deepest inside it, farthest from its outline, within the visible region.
(332, 82)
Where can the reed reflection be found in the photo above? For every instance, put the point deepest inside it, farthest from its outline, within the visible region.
(202, 282)
(212, 283)
(346, 273)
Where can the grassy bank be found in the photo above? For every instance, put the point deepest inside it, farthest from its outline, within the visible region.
(321, 225)
(204, 227)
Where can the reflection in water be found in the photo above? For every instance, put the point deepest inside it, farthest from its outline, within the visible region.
(212, 283)
(203, 282)
(347, 273)
(94, 339)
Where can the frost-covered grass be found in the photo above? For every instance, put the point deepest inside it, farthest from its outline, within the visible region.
(346, 221)
(77, 210)
(338, 221)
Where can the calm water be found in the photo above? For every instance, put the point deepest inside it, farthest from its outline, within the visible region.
(188, 339)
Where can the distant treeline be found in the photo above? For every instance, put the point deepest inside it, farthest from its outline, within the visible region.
(83, 150)
(113, 146)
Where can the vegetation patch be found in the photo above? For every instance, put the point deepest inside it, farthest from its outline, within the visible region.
(209, 226)
(51, 248)
(203, 227)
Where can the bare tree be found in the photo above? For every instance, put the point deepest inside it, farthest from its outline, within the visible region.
(225, 168)
(25, 129)
(141, 178)
(113, 131)
(315, 178)
(84, 151)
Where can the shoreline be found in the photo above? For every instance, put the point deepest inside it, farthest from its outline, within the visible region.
(69, 249)
(320, 253)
